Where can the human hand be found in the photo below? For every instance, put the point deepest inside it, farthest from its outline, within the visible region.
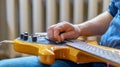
(63, 30)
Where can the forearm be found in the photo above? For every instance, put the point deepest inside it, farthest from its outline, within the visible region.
(96, 26)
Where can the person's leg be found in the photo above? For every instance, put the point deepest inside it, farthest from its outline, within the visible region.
(99, 64)
(33, 61)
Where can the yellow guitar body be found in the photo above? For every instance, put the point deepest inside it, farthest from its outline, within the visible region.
(74, 50)
(48, 53)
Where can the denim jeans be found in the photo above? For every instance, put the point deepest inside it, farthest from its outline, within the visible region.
(33, 61)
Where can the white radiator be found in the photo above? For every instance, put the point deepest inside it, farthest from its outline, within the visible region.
(17, 16)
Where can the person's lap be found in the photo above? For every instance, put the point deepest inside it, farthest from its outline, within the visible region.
(33, 61)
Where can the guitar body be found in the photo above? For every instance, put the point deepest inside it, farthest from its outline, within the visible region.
(49, 51)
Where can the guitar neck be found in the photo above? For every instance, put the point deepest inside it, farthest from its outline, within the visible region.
(105, 54)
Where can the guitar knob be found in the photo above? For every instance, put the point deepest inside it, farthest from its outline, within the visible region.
(34, 38)
(26, 33)
(25, 37)
(21, 36)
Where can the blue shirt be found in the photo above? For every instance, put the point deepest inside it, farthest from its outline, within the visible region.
(112, 36)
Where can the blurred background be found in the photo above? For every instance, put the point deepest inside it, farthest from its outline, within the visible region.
(18, 16)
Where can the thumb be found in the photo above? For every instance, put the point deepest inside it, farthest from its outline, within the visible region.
(68, 35)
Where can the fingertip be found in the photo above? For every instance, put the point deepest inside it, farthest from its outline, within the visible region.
(50, 33)
(62, 37)
(59, 39)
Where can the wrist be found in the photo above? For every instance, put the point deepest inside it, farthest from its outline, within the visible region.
(78, 30)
